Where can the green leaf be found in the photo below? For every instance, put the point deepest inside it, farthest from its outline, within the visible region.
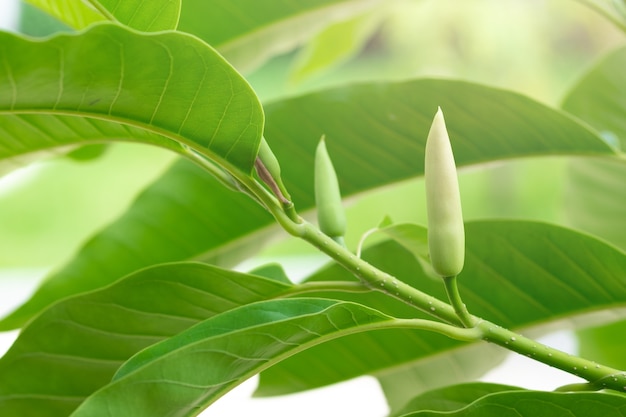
(599, 98)
(272, 271)
(193, 369)
(76, 346)
(453, 397)
(334, 45)
(604, 344)
(148, 16)
(163, 89)
(518, 274)
(538, 404)
(595, 191)
(376, 133)
(75, 13)
(466, 364)
(167, 223)
(247, 35)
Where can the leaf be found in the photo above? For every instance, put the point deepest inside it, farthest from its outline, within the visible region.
(595, 191)
(453, 397)
(75, 347)
(466, 364)
(248, 35)
(162, 89)
(604, 344)
(519, 274)
(334, 45)
(538, 404)
(231, 346)
(148, 16)
(599, 98)
(167, 223)
(376, 133)
(272, 271)
(75, 13)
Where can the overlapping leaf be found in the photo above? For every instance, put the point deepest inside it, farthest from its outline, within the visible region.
(76, 346)
(161, 89)
(149, 16)
(247, 34)
(595, 192)
(507, 402)
(453, 397)
(518, 274)
(376, 133)
(188, 372)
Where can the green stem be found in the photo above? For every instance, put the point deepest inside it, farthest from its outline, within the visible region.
(599, 376)
(452, 290)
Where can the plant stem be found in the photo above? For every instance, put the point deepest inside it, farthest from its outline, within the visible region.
(599, 376)
(452, 289)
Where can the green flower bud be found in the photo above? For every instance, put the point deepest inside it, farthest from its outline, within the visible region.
(330, 214)
(269, 159)
(446, 234)
(269, 171)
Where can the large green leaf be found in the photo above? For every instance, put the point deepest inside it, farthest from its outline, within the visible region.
(188, 372)
(537, 404)
(247, 34)
(45, 374)
(376, 133)
(161, 89)
(518, 274)
(144, 15)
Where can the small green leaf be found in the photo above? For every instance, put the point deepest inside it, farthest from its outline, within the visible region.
(75, 347)
(148, 16)
(193, 369)
(75, 13)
